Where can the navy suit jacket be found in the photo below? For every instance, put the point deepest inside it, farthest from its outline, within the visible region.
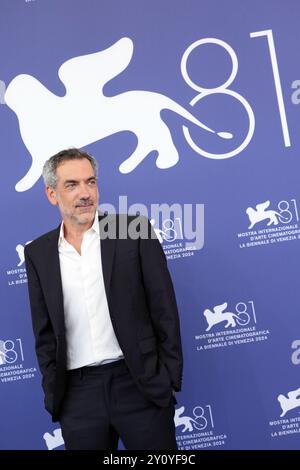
(141, 303)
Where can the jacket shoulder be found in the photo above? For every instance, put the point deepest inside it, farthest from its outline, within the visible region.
(39, 243)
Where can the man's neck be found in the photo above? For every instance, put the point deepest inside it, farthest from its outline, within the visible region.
(73, 232)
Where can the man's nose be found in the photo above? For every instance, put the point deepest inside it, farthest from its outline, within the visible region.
(84, 191)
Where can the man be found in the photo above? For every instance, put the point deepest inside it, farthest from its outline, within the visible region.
(104, 318)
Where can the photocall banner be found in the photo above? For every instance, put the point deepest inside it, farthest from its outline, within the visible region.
(192, 112)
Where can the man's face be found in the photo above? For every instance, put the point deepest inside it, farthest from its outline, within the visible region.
(76, 193)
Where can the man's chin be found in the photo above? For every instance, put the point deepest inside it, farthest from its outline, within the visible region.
(86, 218)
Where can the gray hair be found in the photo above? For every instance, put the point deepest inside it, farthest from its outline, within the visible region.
(51, 165)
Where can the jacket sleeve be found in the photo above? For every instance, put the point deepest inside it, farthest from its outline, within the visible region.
(45, 342)
(162, 305)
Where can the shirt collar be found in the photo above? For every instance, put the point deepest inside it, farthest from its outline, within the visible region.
(94, 227)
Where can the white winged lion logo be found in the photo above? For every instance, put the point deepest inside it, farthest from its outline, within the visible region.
(49, 123)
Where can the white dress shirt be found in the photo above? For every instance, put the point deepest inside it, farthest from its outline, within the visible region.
(89, 332)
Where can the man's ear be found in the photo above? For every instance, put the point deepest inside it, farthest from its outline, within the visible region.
(51, 195)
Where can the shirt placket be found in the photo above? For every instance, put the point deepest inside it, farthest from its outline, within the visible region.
(87, 272)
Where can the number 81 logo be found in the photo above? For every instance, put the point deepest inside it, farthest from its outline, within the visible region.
(9, 351)
(224, 90)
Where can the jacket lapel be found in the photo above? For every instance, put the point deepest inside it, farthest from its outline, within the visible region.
(107, 244)
(53, 273)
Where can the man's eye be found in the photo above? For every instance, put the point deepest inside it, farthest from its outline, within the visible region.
(92, 182)
(70, 185)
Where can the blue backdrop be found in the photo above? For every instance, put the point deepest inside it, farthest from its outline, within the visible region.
(191, 103)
